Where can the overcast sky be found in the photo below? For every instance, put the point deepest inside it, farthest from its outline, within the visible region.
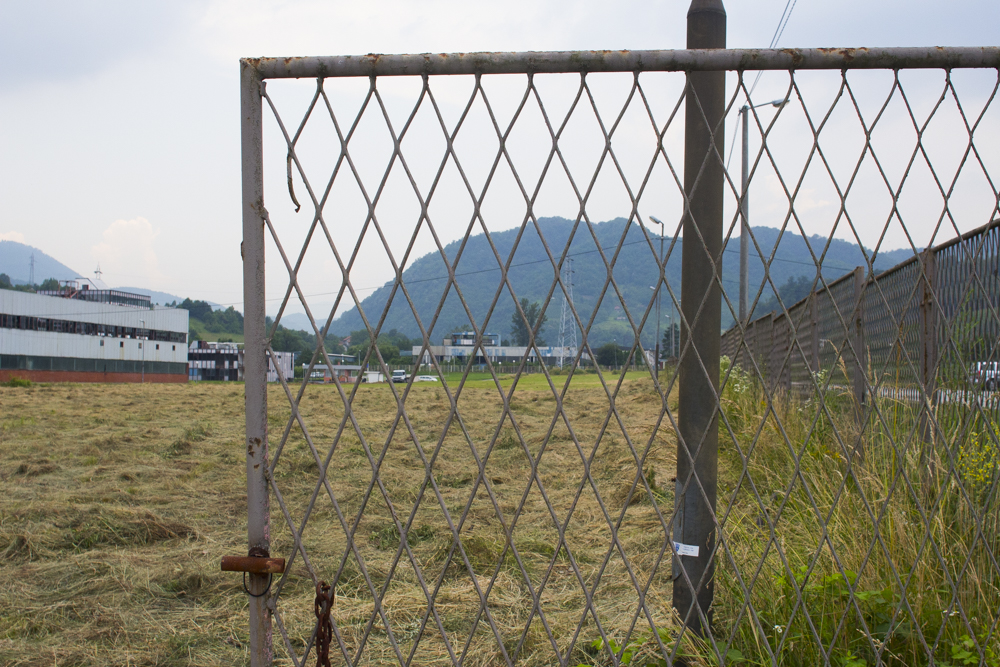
(119, 135)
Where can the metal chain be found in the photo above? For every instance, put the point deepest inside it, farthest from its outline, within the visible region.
(325, 597)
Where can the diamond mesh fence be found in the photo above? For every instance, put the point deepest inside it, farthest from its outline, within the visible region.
(513, 501)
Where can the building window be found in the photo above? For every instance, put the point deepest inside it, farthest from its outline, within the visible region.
(121, 344)
(140, 346)
(102, 343)
(157, 346)
(173, 348)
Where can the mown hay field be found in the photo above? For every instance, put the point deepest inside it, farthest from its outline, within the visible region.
(121, 500)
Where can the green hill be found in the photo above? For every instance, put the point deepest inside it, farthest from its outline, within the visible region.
(15, 261)
(531, 275)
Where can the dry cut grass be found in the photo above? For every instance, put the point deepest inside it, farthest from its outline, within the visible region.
(121, 500)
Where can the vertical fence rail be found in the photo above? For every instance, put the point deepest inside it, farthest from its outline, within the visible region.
(255, 358)
(928, 343)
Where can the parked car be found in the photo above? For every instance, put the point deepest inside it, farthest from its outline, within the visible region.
(400, 376)
(985, 374)
(426, 378)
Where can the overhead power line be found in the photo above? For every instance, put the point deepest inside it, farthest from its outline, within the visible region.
(786, 14)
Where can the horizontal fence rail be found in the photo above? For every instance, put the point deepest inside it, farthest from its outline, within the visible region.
(704, 60)
(828, 497)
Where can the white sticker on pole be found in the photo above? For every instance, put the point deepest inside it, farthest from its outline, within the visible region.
(686, 549)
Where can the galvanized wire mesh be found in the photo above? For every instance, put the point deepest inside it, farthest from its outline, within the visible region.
(492, 520)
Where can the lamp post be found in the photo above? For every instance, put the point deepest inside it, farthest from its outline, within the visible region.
(673, 334)
(659, 264)
(142, 379)
(745, 206)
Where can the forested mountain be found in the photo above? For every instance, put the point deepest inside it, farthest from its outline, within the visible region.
(531, 276)
(15, 261)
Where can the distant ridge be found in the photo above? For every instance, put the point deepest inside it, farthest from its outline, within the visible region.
(14, 259)
(531, 276)
(158, 298)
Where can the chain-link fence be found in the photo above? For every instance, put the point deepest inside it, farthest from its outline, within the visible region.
(908, 351)
(828, 498)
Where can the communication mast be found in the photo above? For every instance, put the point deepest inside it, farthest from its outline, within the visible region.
(567, 323)
(31, 270)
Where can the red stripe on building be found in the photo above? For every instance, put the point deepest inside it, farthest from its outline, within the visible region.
(91, 376)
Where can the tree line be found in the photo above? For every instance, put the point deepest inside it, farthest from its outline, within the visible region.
(47, 284)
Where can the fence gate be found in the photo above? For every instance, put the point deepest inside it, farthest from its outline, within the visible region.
(822, 492)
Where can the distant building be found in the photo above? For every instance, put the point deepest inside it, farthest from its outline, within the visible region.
(216, 362)
(456, 348)
(104, 336)
(323, 373)
(286, 361)
(223, 362)
(82, 291)
(373, 377)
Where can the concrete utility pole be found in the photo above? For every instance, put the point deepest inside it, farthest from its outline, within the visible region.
(745, 219)
(698, 426)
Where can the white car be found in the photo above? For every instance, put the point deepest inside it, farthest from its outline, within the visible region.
(426, 378)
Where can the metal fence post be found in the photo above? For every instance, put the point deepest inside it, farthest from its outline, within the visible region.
(814, 331)
(255, 350)
(697, 449)
(928, 346)
(774, 356)
(858, 343)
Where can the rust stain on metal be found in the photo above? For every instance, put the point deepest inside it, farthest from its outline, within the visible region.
(848, 54)
(253, 564)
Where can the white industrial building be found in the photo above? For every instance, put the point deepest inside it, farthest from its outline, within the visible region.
(64, 337)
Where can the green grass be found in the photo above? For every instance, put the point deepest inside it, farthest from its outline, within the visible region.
(538, 381)
(204, 334)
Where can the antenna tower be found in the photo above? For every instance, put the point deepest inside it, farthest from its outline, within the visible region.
(31, 270)
(97, 271)
(567, 323)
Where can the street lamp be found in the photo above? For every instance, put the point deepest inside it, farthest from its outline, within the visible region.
(745, 205)
(659, 264)
(673, 337)
(657, 332)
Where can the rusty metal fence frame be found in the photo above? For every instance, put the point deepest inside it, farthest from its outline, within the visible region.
(784, 349)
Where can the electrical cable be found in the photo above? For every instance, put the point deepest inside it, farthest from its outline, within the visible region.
(778, 31)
